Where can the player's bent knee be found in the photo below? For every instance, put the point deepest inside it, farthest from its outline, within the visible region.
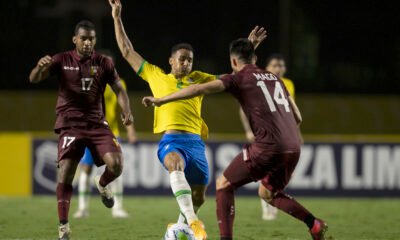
(222, 183)
(114, 162)
(174, 162)
(198, 198)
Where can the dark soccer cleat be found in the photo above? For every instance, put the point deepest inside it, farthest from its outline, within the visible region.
(319, 229)
(106, 194)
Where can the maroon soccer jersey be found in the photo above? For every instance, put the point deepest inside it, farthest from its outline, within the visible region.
(264, 100)
(82, 82)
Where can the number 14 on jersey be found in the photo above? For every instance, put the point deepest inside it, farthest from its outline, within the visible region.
(279, 96)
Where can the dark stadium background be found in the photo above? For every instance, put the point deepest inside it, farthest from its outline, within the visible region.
(331, 46)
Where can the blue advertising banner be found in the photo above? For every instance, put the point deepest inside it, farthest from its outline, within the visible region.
(324, 169)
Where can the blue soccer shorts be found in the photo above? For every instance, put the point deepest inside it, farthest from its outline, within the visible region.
(192, 150)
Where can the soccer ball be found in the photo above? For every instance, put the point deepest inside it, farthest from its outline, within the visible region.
(179, 231)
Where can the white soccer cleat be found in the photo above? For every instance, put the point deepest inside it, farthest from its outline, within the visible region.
(81, 213)
(119, 213)
(64, 232)
(105, 192)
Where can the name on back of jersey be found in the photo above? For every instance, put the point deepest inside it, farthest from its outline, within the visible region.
(265, 76)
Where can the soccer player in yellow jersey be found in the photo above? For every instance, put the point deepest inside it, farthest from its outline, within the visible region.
(86, 163)
(181, 150)
(276, 64)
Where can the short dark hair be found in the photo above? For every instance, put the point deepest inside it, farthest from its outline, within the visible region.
(180, 46)
(274, 56)
(242, 48)
(85, 24)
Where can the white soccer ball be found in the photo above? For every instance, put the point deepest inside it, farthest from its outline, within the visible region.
(179, 231)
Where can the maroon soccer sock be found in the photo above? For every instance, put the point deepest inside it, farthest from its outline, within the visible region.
(64, 194)
(225, 212)
(107, 177)
(287, 204)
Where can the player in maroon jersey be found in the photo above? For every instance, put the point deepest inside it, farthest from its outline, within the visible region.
(272, 157)
(83, 75)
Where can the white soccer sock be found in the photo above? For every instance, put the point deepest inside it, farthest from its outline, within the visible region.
(183, 195)
(117, 187)
(264, 206)
(83, 189)
(182, 219)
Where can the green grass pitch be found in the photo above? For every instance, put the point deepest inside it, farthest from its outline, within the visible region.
(36, 218)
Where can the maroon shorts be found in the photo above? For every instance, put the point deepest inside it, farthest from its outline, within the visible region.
(253, 164)
(100, 140)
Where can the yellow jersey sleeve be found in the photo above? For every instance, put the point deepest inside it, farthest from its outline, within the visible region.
(289, 86)
(149, 72)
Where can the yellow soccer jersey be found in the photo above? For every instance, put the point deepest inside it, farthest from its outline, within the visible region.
(182, 115)
(111, 102)
(289, 86)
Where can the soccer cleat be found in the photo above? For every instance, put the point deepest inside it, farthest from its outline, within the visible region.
(198, 228)
(81, 213)
(319, 229)
(119, 213)
(105, 193)
(64, 232)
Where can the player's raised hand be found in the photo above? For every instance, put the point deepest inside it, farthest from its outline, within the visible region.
(127, 118)
(257, 35)
(116, 8)
(44, 63)
(150, 101)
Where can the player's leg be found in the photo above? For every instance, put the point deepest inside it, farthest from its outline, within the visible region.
(70, 151)
(236, 174)
(117, 188)
(105, 150)
(268, 212)
(114, 165)
(172, 155)
(272, 192)
(198, 198)
(175, 164)
(196, 172)
(85, 166)
(66, 172)
(288, 204)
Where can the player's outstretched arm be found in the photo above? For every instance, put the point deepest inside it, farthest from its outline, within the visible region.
(41, 70)
(123, 101)
(296, 111)
(257, 36)
(189, 92)
(124, 44)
